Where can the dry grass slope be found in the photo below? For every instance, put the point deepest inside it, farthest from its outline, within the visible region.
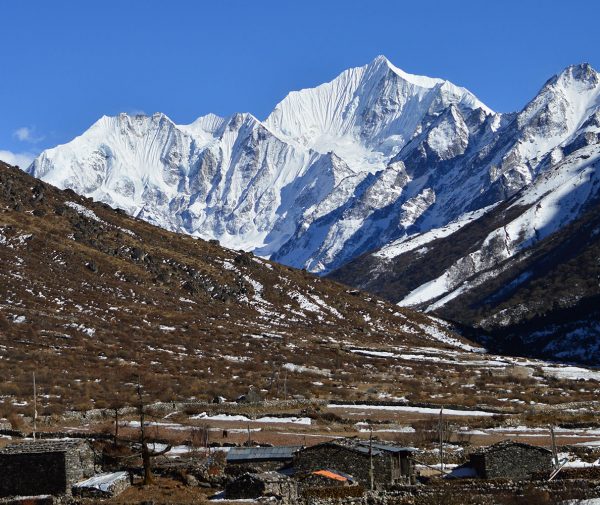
(91, 297)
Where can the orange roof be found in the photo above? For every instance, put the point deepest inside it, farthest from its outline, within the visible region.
(330, 475)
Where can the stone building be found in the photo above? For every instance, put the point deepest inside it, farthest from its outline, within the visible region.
(44, 467)
(255, 485)
(511, 460)
(391, 464)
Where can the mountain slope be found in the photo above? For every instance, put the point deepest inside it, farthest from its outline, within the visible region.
(524, 270)
(403, 185)
(90, 297)
(456, 163)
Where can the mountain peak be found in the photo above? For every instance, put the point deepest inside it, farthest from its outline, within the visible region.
(576, 75)
(382, 62)
(581, 72)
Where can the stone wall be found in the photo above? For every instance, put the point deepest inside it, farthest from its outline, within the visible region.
(79, 462)
(252, 485)
(473, 492)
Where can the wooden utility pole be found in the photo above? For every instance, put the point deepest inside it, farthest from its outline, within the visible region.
(285, 385)
(441, 428)
(34, 407)
(554, 451)
(145, 451)
(371, 476)
(116, 426)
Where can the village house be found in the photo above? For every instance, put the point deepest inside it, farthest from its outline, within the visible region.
(511, 460)
(328, 484)
(382, 463)
(44, 467)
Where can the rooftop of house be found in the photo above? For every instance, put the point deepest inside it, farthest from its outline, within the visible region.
(377, 447)
(249, 454)
(42, 446)
(504, 444)
(334, 475)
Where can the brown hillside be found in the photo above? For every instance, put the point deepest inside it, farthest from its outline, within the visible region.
(90, 298)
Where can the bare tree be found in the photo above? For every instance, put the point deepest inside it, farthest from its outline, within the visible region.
(147, 454)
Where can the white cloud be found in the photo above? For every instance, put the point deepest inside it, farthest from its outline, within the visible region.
(27, 134)
(23, 160)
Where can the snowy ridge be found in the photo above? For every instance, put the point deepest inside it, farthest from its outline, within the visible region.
(553, 201)
(373, 158)
(411, 242)
(365, 114)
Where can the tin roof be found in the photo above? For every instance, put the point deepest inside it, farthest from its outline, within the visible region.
(389, 447)
(280, 453)
(362, 446)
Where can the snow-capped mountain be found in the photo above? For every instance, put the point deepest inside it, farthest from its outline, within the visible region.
(366, 114)
(375, 157)
(457, 162)
(257, 185)
(521, 262)
(216, 178)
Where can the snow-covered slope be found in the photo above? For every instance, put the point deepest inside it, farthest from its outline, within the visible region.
(371, 158)
(216, 178)
(553, 201)
(366, 114)
(546, 165)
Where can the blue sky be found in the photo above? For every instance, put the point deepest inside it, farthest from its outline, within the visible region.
(66, 63)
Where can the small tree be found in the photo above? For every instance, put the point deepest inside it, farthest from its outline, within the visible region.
(147, 454)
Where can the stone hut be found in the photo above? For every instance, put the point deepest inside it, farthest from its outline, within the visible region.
(45, 467)
(511, 460)
(255, 485)
(392, 464)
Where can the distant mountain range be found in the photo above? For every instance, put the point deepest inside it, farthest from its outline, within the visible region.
(408, 186)
(315, 184)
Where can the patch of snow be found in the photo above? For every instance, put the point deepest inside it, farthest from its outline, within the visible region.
(306, 369)
(571, 372)
(419, 410)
